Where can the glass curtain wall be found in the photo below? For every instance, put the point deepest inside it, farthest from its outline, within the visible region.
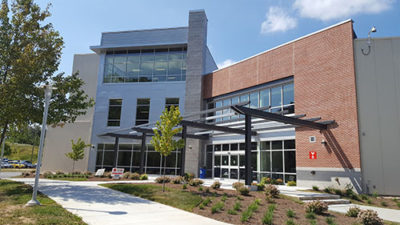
(129, 158)
(275, 159)
(146, 65)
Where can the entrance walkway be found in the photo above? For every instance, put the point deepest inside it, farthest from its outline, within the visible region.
(99, 205)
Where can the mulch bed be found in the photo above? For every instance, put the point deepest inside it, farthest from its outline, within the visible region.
(280, 217)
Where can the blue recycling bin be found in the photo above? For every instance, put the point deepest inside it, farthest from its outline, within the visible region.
(202, 173)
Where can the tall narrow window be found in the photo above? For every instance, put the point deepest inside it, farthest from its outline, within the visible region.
(114, 112)
(171, 102)
(142, 111)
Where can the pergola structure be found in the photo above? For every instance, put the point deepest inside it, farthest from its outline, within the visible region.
(252, 121)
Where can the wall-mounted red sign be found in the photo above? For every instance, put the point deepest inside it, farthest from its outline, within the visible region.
(313, 155)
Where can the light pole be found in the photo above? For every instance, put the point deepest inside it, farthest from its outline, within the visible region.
(47, 95)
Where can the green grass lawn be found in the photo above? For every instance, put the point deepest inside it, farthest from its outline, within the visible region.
(22, 152)
(13, 197)
(172, 197)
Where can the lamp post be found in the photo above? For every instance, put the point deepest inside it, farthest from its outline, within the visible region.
(47, 95)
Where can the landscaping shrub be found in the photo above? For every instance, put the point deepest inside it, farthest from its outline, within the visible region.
(224, 198)
(126, 175)
(59, 172)
(206, 202)
(330, 221)
(315, 188)
(216, 185)
(163, 179)
(328, 190)
(195, 182)
(258, 201)
(217, 207)
(364, 197)
(317, 207)
(290, 222)
(32, 171)
(232, 212)
(237, 206)
(47, 174)
(237, 185)
(269, 214)
(375, 194)
(207, 190)
(384, 204)
(200, 188)
(353, 212)
(338, 192)
(107, 175)
(177, 180)
(260, 186)
(369, 217)
(246, 215)
(290, 213)
(26, 174)
(184, 186)
(243, 190)
(398, 204)
(291, 183)
(369, 202)
(279, 181)
(188, 176)
(310, 215)
(272, 191)
(265, 180)
(134, 176)
(144, 177)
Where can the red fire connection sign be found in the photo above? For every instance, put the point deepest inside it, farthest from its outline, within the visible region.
(313, 155)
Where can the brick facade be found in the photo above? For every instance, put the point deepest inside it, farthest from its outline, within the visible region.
(324, 78)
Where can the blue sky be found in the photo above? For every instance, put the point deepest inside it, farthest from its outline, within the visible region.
(237, 29)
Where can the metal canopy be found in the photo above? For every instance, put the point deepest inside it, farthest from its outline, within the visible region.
(151, 131)
(279, 118)
(213, 127)
(131, 136)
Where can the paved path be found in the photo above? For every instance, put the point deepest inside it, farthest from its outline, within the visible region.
(386, 214)
(9, 174)
(99, 205)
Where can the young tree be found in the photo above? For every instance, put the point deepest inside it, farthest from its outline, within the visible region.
(30, 52)
(78, 151)
(163, 139)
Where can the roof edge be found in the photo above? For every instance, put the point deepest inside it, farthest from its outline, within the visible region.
(140, 30)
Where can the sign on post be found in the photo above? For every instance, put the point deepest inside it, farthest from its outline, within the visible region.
(117, 173)
(313, 155)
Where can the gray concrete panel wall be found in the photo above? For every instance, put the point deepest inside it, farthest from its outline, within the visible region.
(58, 139)
(378, 98)
(196, 67)
(129, 93)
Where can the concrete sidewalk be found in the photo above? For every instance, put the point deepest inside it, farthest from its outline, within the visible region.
(99, 205)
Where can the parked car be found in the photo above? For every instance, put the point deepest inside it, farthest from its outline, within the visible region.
(17, 164)
(28, 164)
(6, 165)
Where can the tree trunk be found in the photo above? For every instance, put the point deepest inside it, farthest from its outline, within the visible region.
(165, 163)
(73, 165)
(3, 133)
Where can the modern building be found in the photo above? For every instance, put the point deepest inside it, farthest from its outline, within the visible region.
(322, 110)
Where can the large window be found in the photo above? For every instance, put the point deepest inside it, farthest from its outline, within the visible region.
(142, 111)
(276, 99)
(114, 112)
(147, 65)
(171, 102)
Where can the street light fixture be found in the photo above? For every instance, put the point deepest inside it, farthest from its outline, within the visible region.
(47, 95)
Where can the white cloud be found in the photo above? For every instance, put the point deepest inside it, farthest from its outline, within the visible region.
(339, 9)
(225, 63)
(277, 20)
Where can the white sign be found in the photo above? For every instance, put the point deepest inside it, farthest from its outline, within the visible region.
(117, 173)
(100, 172)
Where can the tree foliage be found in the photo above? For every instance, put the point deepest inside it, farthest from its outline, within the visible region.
(78, 151)
(30, 51)
(25, 135)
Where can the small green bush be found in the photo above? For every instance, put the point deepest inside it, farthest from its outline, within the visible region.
(195, 182)
(290, 222)
(266, 180)
(163, 179)
(353, 212)
(134, 176)
(330, 221)
(369, 202)
(272, 191)
(328, 190)
(47, 174)
(188, 176)
(207, 190)
(237, 206)
(232, 212)
(144, 177)
(258, 201)
(364, 197)
(126, 175)
(290, 213)
(269, 214)
(384, 204)
(291, 183)
(243, 190)
(317, 207)
(224, 198)
(310, 215)
(201, 206)
(59, 172)
(237, 185)
(279, 181)
(216, 185)
(177, 180)
(369, 217)
(184, 186)
(200, 188)
(398, 204)
(313, 222)
(338, 192)
(206, 201)
(217, 207)
(315, 188)
(375, 194)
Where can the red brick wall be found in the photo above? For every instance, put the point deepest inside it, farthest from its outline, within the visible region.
(324, 80)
